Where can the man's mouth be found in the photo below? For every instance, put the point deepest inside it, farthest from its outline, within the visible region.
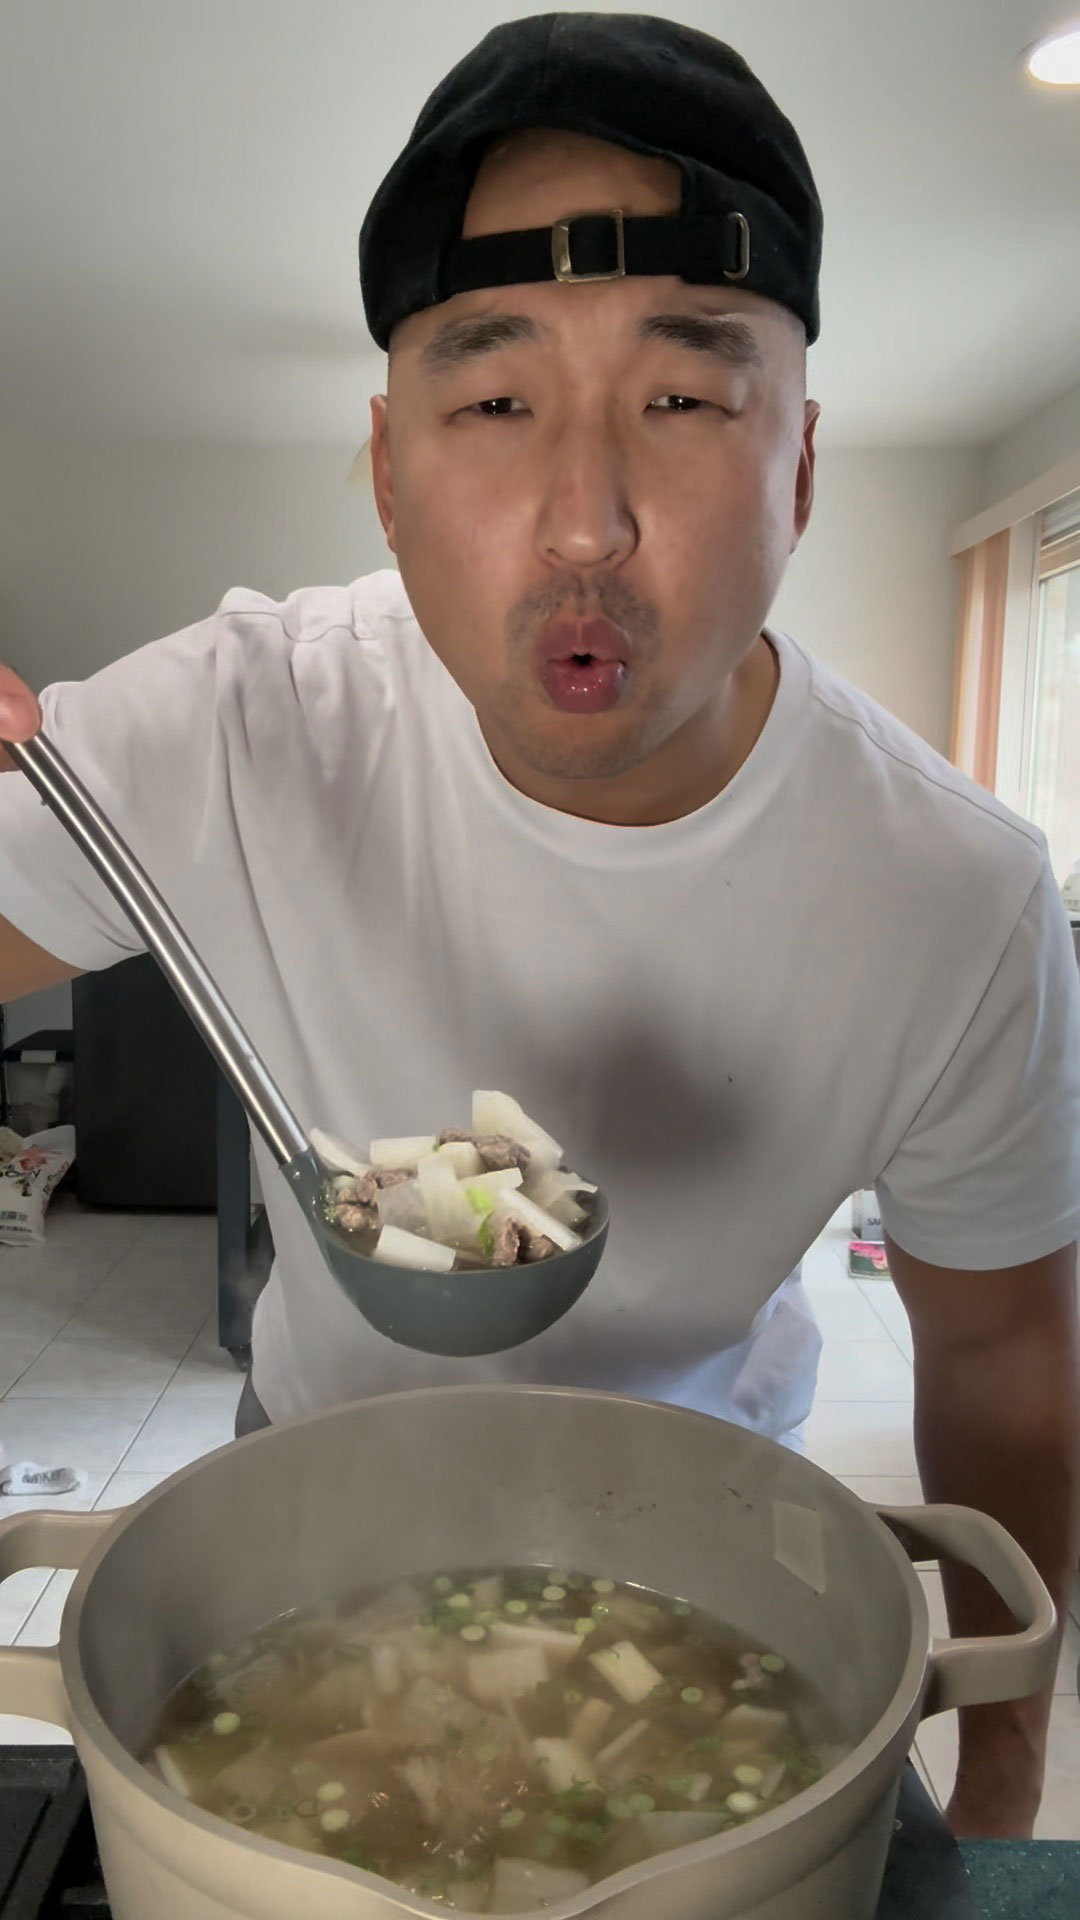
(583, 665)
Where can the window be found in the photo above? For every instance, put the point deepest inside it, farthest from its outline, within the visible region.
(1052, 731)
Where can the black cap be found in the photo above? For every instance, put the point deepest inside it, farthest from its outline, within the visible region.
(749, 215)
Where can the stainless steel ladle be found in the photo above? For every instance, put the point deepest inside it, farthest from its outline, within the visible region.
(461, 1312)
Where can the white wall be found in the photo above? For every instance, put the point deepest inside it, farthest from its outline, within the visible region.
(871, 590)
(1033, 448)
(103, 547)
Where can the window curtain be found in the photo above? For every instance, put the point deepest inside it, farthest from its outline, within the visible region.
(979, 651)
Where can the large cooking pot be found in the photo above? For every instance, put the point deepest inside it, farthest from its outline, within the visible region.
(485, 1476)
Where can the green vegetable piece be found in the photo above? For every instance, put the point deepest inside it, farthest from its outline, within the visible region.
(620, 1808)
(572, 1697)
(516, 1607)
(599, 1610)
(748, 1776)
(585, 1626)
(463, 1601)
(480, 1200)
(485, 1238)
(442, 1583)
(603, 1586)
(514, 1817)
(558, 1823)
(590, 1833)
(474, 1633)
(641, 1803)
(554, 1593)
(743, 1803)
(680, 1784)
(693, 1696)
(772, 1663)
(226, 1723)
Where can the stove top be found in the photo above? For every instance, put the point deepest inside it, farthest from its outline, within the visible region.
(49, 1867)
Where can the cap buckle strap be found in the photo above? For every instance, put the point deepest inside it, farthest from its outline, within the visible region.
(561, 256)
(743, 268)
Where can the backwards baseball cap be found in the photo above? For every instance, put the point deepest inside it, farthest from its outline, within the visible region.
(749, 214)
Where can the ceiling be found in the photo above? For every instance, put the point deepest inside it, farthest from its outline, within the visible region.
(182, 182)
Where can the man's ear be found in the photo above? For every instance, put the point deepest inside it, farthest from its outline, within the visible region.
(804, 477)
(381, 483)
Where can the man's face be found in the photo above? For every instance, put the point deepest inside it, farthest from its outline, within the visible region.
(592, 497)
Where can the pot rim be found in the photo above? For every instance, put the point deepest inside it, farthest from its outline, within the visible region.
(89, 1723)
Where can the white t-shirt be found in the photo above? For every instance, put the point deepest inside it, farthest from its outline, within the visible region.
(849, 969)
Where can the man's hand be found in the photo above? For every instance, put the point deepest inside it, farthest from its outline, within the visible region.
(20, 715)
(997, 1427)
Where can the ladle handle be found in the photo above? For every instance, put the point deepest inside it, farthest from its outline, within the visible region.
(78, 812)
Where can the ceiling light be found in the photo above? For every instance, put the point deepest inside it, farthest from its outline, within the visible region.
(1055, 61)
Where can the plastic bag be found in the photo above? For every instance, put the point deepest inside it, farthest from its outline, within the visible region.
(30, 1172)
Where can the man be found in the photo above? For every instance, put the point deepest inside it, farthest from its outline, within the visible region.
(553, 810)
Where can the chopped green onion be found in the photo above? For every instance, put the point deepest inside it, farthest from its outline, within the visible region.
(599, 1610)
(603, 1586)
(641, 1803)
(330, 1790)
(460, 1600)
(693, 1696)
(743, 1802)
(585, 1626)
(487, 1619)
(217, 1661)
(335, 1819)
(442, 1583)
(589, 1833)
(680, 1785)
(226, 1723)
(554, 1593)
(748, 1776)
(772, 1663)
(572, 1697)
(516, 1606)
(575, 1582)
(514, 1817)
(619, 1808)
(474, 1632)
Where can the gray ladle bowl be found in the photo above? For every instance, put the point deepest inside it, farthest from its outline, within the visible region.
(460, 1312)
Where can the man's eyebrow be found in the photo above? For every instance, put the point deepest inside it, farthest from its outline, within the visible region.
(722, 336)
(459, 341)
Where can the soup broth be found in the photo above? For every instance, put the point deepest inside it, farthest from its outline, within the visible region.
(494, 1741)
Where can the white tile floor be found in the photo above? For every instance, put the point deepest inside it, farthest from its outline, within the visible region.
(109, 1362)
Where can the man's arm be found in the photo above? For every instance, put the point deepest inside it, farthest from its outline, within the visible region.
(24, 967)
(997, 1427)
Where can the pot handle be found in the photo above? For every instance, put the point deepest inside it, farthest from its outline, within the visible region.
(1003, 1666)
(30, 1678)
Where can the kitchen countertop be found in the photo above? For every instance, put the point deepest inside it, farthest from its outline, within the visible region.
(1024, 1880)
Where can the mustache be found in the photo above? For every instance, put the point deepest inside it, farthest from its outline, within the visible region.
(605, 598)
